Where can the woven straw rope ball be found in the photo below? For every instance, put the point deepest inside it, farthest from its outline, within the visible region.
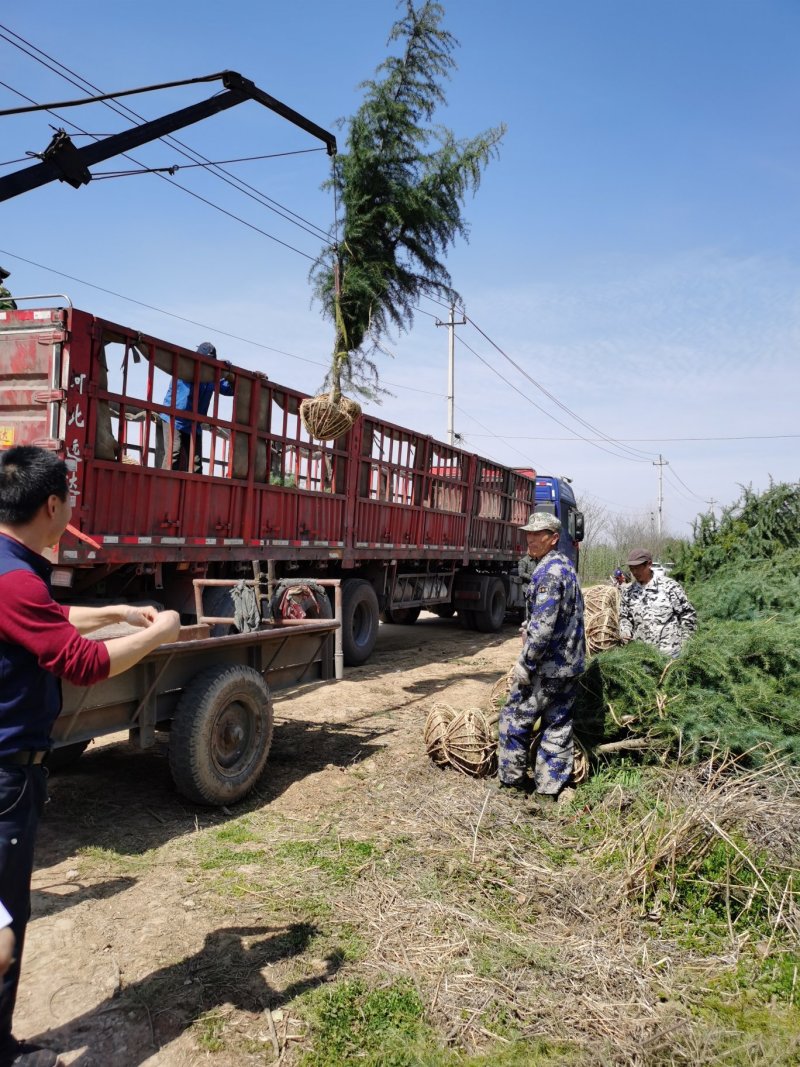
(326, 421)
(469, 743)
(439, 718)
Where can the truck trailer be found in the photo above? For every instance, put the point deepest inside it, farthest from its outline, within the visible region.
(405, 521)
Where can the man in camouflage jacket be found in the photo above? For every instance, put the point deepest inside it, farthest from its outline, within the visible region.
(545, 678)
(654, 608)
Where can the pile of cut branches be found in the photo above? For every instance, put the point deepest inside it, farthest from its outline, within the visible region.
(736, 684)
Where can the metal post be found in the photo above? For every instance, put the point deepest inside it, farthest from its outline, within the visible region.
(661, 463)
(451, 370)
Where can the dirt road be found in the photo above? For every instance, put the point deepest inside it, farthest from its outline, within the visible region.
(122, 905)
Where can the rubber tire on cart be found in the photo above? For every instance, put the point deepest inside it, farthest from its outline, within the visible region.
(359, 621)
(491, 618)
(467, 619)
(61, 759)
(221, 735)
(401, 616)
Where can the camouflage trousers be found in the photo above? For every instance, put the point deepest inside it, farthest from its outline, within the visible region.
(551, 700)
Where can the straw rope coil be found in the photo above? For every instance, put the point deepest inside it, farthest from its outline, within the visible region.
(467, 740)
(601, 617)
(439, 718)
(325, 419)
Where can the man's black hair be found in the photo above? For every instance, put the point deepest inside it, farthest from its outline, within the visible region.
(28, 476)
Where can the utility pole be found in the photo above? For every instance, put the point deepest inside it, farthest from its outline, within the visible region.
(711, 504)
(661, 463)
(451, 370)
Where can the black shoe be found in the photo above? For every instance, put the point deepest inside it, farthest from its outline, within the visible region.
(23, 1054)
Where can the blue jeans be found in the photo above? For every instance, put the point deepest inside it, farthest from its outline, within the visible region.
(23, 794)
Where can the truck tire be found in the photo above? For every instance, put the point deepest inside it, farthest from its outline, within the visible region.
(444, 611)
(62, 758)
(221, 735)
(359, 621)
(220, 602)
(401, 616)
(491, 618)
(467, 619)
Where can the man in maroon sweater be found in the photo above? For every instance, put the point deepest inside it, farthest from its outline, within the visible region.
(40, 643)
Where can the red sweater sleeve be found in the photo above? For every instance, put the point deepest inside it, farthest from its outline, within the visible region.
(32, 619)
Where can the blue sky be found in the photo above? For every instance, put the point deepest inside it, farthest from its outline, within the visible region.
(635, 248)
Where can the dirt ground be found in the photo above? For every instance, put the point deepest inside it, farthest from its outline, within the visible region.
(115, 906)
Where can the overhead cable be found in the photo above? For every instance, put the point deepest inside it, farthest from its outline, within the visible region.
(544, 411)
(133, 116)
(553, 398)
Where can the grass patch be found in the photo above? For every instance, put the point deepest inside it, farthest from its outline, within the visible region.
(352, 1024)
(339, 859)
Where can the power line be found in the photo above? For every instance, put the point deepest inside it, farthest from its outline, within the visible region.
(554, 399)
(130, 115)
(657, 440)
(544, 411)
(194, 322)
(183, 188)
(686, 487)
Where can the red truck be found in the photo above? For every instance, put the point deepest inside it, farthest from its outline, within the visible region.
(405, 521)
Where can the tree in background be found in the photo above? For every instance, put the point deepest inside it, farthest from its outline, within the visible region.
(401, 183)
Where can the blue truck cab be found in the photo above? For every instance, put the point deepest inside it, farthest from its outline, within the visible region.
(555, 496)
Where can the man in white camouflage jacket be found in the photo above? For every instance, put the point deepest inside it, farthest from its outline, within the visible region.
(545, 678)
(654, 608)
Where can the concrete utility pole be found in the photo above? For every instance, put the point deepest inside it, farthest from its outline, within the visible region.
(661, 463)
(711, 504)
(451, 370)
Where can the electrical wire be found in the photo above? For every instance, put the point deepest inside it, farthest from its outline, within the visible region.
(685, 486)
(657, 440)
(194, 322)
(494, 370)
(183, 188)
(553, 398)
(133, 116)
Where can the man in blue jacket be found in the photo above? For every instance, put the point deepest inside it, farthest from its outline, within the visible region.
(545, 678)
(178, 441)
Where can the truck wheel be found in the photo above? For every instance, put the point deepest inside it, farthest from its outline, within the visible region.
(220, 602)
(467, 619)
(490, 619)
(359, 621)
(401, 616)
(221, 735)
(62, 758)
(444, 611)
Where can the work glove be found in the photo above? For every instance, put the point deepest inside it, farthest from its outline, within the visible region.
(520, 676)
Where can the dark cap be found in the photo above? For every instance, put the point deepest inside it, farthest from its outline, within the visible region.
(4, 274)
(638, 556)
(207, 349)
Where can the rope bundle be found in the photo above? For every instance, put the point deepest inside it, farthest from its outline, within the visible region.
(325, 419)
(601, 617)
(467, 740)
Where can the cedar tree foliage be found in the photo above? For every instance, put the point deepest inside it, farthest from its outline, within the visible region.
(401, 184)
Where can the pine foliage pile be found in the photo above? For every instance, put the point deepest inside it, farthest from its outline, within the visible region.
(736, 684)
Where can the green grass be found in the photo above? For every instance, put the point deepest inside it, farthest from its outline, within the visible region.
(338, 859)
(353, 1024)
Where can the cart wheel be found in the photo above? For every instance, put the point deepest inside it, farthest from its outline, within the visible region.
(221, 735)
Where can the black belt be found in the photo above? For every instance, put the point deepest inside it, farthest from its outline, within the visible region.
(27, 759)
